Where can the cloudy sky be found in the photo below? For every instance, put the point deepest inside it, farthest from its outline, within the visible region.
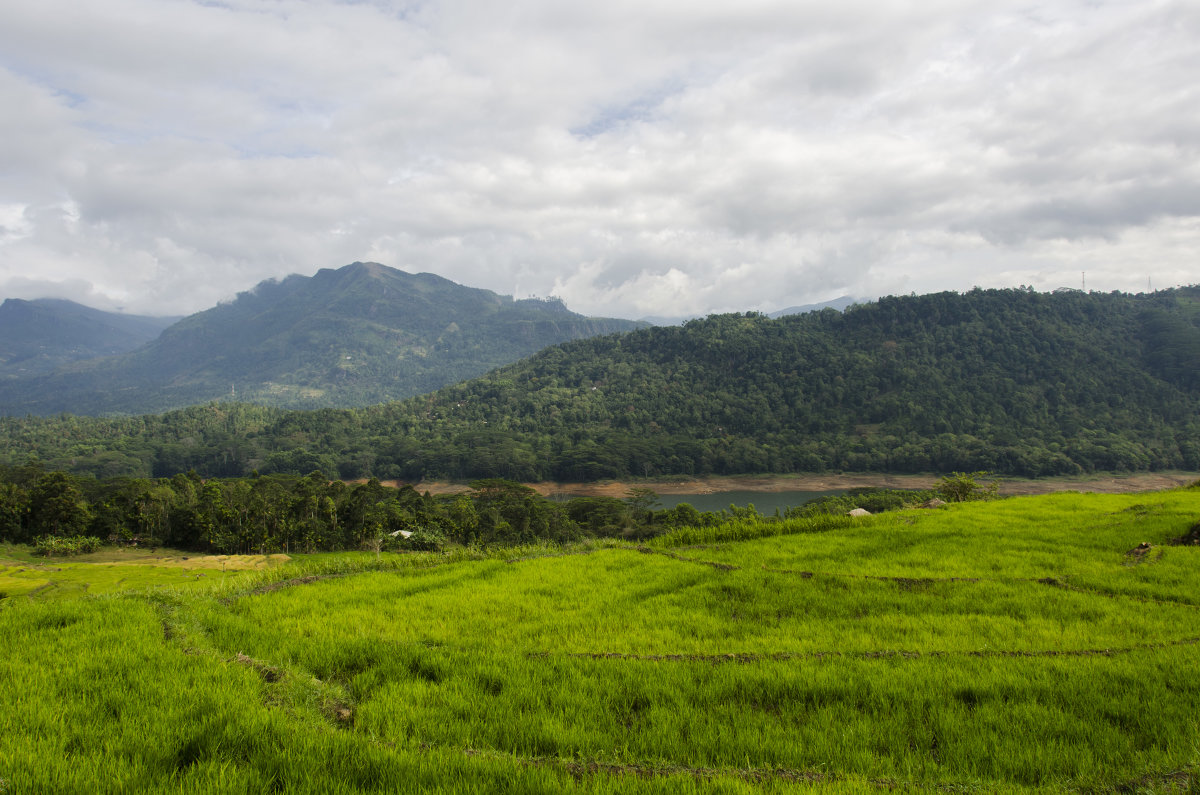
(634, 157)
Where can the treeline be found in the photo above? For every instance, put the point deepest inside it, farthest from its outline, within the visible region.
(63, 514)
(67, 514)
(1009, 381)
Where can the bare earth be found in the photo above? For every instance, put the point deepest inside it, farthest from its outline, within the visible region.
(1105, 484)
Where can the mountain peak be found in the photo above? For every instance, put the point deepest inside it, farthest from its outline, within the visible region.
(372, 269)
(355, 335)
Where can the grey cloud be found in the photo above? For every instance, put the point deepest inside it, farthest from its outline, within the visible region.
(77, 290)
(633, 157)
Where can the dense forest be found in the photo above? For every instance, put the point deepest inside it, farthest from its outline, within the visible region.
(1008, 381)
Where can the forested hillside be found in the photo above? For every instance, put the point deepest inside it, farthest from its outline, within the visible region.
(38, 336)
(354, 336)
(1010, 381)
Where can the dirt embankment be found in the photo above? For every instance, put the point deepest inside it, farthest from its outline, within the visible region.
(1106, 484)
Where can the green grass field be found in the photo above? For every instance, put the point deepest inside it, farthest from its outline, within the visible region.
(1023, 645)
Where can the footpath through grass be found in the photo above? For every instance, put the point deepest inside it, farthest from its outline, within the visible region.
(1030, 644)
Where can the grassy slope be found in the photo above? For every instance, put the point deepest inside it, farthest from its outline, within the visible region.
(1011, 646)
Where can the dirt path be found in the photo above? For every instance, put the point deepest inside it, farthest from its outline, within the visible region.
(1106, 484)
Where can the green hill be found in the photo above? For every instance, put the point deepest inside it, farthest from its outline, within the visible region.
(358, 335)
(1009, 381)
(41, 335)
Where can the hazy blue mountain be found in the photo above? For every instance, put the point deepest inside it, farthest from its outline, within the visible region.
(38, 336)
(838, 303)
(358, 335)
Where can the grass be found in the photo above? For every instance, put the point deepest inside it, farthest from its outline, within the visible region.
(112, 570)
(1023, 645)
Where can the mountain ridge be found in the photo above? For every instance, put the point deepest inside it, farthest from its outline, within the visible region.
(38, 335)
(361, 334)
(1009, 381)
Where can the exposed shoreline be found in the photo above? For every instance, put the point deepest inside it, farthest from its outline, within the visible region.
(1105, 484)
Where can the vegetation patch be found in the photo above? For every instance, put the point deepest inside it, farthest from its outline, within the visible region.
(994, 646)
(50, 546)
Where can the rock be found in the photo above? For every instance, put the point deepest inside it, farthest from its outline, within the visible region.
(859, 512)
(934, 503)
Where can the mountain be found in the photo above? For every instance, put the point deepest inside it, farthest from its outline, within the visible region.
(358, 335)
(839, 303)
(38, 336)
(1009, 381)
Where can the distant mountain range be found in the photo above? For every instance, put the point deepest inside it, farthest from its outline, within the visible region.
(838, 303)
(354, 336)
(41, 335)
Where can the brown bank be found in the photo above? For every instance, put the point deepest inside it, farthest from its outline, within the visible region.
(1106, 484)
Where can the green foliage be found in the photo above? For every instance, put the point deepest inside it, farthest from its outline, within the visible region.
(424, 540)
(875, 500)
(1004, 381)
(56, 506)
(284, 513)
(960, 487)
(50, 546)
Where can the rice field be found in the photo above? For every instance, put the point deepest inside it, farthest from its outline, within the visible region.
(1039, 644)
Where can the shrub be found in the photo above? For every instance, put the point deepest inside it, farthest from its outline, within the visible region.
(423, 541)
(875, 500)
(69, 545)
(960, 487)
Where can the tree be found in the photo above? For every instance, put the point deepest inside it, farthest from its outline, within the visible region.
(57, 508)
(960, 487)
(14, 512)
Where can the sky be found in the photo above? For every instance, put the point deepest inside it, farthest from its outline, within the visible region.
(632, 157)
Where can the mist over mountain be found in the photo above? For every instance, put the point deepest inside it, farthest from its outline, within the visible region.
(354, 336)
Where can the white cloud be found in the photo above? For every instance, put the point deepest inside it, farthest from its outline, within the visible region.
(634, 158)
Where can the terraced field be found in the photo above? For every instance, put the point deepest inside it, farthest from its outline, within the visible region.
(1029, 644)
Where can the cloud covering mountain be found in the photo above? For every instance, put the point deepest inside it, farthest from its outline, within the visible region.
(639, 158)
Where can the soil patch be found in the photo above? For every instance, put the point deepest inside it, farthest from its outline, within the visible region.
(1191, 538)
(269, 673)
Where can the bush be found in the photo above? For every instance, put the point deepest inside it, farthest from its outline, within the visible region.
(875, 500)
(423, 541)
(70, 545)
(960, 487)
